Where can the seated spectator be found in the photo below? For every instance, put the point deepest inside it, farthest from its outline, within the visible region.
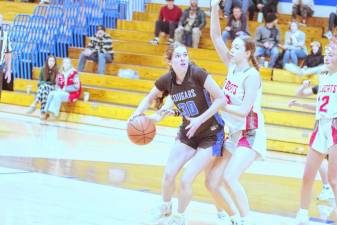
(229, 5)
(68, 89)
(332, 25)
(268, 39)
(267, 7)
(294, 46)
(167, 22)
(190, 25)
(315, 58)
(304, 8)
(236, 26)
(46, 84)
(312, 62)
(99, 50)
(6, 76)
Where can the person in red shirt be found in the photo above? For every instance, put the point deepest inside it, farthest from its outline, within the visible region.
(167, 22)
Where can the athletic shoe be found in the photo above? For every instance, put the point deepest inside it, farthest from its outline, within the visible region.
(176, 220)
(155, 41)
(159, 214)
(328, 35)
(223, 219)
(302, 218)
(325, 194)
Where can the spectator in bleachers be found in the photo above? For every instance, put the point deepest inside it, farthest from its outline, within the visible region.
(268, 40)
(294, 45)
(332, 24)
(46, 84)
(236, 26)
(315, 58)
(304, 8)
(252, 9)
(167, 22)
(190, 25)
(267, 6)
(6, 79)
(229, 6)
(68, 89)
(99, 50)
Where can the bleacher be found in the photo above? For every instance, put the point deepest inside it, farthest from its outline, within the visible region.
(62, 27)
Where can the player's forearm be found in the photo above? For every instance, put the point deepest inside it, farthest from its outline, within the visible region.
(216, 105)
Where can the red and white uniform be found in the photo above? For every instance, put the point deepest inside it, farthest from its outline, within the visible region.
(324, 135)
(243, 132)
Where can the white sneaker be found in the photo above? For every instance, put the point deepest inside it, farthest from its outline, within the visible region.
(326, 194)
(302, 219)
(155, 41)
(159, 214)
(223, 219)
(176, 220)
(246, 222)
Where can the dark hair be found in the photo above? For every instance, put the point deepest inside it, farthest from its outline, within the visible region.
(250, 46)
(50, 73)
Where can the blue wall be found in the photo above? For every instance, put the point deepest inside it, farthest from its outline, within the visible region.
(319, 2)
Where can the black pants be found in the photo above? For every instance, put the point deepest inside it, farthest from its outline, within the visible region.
(332, 21)
(167, 27)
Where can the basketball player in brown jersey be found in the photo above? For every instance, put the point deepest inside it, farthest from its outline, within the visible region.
(201, 134)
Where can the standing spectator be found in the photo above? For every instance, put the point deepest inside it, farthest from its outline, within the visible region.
(99, 50)
(229, 5)
(268, 39)
(332, 24)
(68, 89)
(294, 45)
(46, 84)
(5, 60)
(267, 7)
(304, 8)
(190, 25)
(167, 22)
(252, 9)
(236, 26)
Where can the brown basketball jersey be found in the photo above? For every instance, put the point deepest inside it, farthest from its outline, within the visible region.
(190, 97)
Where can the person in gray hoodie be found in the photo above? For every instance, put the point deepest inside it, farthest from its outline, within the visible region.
(268, 40)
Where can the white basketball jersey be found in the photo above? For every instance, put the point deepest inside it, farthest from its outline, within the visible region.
(326, 107)
(234, 91)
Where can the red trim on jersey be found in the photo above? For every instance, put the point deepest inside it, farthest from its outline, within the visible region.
(313, 135)
(334, 131)
(243, 142)
(252, 120)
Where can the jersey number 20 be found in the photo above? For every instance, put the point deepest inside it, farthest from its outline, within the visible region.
(188, 109)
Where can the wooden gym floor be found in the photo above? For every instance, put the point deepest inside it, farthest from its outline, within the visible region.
(61, 173)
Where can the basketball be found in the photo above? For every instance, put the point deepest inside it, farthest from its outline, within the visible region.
(141, 130)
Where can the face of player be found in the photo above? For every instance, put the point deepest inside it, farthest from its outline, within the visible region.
(100, 33)
(237, 13)
(330, 59)
(66, 64)
(194, 4)
(180, 60)
(51, 62)
(238, 51)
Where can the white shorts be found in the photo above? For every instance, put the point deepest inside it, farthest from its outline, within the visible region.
(254, 139)
(324, 135)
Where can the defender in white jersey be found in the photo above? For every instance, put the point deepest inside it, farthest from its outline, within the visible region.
(242, 115)
(324, 137)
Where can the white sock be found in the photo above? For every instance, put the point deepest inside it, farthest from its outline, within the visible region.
(181, 215)
(167, 204)
(304, 212)
(222, 214)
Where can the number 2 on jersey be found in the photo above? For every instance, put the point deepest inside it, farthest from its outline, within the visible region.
(325, 100)
(188, 109)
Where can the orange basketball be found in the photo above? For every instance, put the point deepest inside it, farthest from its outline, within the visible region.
(141, 130)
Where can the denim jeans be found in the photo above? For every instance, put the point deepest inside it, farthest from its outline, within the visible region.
(293, 55)
(101, 58)
(229, 3)
(273, 53)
